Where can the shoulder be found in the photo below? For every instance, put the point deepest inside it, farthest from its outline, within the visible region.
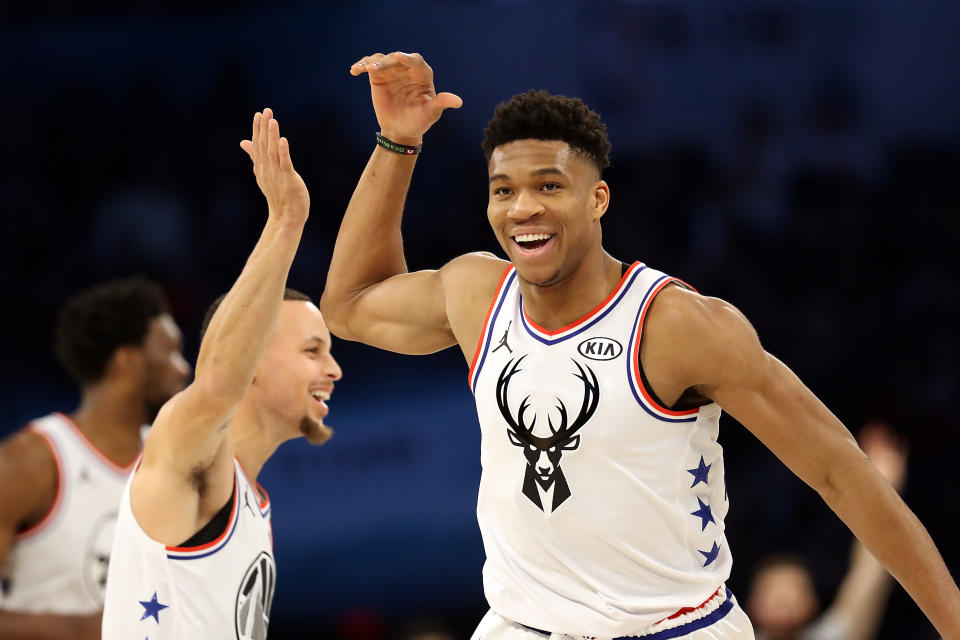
(472, 277)
(701, 335)
(28, 473)
(474, 268)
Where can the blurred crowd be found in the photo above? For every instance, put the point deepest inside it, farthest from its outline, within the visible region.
(840, 245)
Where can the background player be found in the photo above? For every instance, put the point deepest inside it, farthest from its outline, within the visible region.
(193, 553)
(783, 602)
(61, 477)
(546, 199)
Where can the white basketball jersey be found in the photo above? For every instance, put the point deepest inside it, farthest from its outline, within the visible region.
(601, 510)
(60, 564)
(215, 591)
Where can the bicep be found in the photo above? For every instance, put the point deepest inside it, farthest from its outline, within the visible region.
(405, 313)
(188, 431)
(767, 398)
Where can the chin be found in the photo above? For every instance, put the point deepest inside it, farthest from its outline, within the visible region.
(315, 431)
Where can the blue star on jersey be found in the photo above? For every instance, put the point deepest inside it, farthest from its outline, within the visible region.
(705, 514)
(711, 555)
(700, 473)
(152, 608)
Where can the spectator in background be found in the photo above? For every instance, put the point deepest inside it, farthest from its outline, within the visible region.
(783, 603)
(61, 476)
(425, 628)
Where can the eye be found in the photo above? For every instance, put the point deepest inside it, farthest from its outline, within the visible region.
(314, 351)
(501, 191)
(550, 186)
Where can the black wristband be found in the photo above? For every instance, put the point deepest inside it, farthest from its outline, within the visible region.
(402, 149)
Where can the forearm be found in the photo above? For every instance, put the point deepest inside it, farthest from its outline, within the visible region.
(32, 626)
(369, 247)
(863, 595)
(242, 325)
(860, 496)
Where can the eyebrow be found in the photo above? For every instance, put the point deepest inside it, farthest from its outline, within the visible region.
(536, 172)
(316, 339)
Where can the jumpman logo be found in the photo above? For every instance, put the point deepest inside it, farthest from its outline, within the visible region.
(503, 340)
(246, 502)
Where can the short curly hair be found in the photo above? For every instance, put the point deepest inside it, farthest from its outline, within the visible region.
(542, 116)
(95, 322)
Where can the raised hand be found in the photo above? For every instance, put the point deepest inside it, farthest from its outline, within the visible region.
(887, 452)
(404, 98)
(286, 193)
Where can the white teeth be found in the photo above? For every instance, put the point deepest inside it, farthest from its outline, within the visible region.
(532, 237)
(320, 395)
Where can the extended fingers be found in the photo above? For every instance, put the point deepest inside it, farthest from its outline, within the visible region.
(361, 65)
(286, 163)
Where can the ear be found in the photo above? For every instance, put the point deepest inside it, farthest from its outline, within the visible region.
(514, 440)
(601, 198)
(127, 363)
(571, 444)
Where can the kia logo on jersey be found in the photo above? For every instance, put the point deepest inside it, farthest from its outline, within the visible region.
(600, 348)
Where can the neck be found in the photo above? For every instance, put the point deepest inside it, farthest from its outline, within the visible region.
(255, 438)
(573, 297)
(111, 418)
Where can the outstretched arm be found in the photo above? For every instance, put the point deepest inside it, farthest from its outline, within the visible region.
(190, 428)
(864, 592)
(369, 294)
(716, 351)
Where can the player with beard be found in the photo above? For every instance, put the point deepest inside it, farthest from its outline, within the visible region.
(193, 552)
(61, 477)
(602, 498)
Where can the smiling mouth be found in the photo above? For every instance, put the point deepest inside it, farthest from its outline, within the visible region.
(532, 242)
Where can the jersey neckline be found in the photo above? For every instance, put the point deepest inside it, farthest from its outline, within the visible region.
(596, 314)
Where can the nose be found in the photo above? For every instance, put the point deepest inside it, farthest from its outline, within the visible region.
(525, 206)
(183, 367)
(332, 369)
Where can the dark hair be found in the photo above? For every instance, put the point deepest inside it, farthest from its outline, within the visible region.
(541, 116)
(288, 294)
(94, 323)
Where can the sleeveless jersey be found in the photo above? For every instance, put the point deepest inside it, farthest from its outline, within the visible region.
(601, 511)
(217, 591)
(60, 564)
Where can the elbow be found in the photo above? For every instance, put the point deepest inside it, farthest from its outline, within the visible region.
(334, 309)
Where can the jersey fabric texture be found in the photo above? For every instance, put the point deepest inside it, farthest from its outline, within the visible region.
(60, 565)
(217, 591)
(601, 511)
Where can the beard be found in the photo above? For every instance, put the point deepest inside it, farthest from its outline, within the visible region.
(315, 431)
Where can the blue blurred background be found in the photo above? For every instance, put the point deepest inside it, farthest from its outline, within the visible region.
(799, 159)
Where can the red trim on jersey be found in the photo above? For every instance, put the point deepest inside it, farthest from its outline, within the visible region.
(253, 483)
(636, 356)
(118, 468)
(483, 331)
(42, 523)
(266, 496)
(597, 309)
(685, 610)
(226, 530)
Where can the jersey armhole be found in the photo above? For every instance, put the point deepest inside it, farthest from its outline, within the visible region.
(649, 400)
(51, 512)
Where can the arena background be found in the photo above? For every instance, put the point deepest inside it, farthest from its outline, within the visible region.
(799, 159)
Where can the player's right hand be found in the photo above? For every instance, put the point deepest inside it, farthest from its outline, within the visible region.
(404, 99)
(287, 196)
